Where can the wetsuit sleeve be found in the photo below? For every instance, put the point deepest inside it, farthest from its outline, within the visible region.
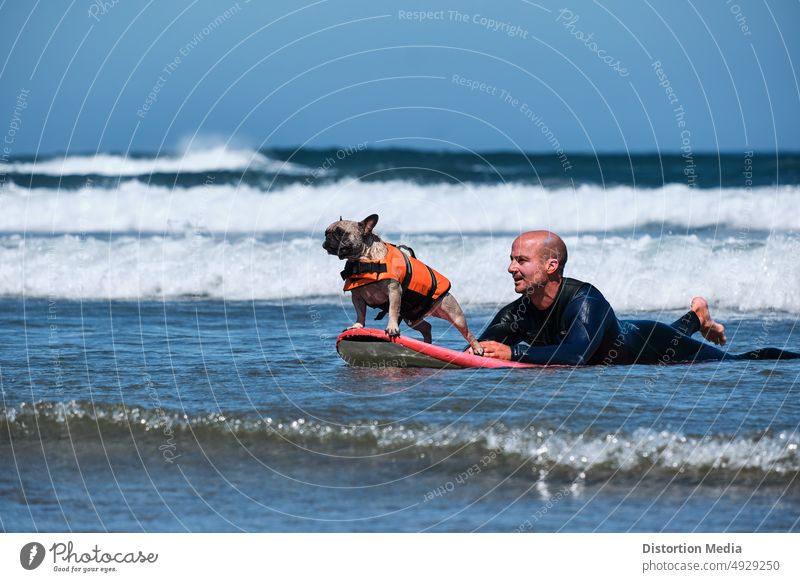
(505, 327)
(587, 318)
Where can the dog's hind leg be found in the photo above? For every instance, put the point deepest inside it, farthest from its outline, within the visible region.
(424, 328)
(450, 310)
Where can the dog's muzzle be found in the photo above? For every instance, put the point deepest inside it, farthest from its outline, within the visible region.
(334, 248)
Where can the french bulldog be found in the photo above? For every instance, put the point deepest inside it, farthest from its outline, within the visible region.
(355, 241)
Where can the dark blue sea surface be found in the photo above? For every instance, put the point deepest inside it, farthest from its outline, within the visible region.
(228, 416)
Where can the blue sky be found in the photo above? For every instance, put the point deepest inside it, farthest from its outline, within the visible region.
(87, 76)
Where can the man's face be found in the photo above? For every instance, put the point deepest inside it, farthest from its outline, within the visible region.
(527, 267)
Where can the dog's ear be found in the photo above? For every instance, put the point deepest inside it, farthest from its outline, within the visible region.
(369, 223)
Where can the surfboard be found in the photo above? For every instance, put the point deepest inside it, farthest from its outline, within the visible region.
(372, 348)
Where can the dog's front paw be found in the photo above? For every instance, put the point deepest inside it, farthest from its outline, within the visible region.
(477, 349)
(356, 326)
(392, 330)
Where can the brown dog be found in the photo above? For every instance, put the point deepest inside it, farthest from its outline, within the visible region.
(381, 275)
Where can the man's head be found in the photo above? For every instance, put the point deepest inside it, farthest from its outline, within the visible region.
(537, 258)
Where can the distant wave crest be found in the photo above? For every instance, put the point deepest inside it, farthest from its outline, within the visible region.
(208, 160)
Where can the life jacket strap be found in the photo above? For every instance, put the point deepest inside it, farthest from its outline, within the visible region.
(358, 268)
(432, 290)
(409, 272)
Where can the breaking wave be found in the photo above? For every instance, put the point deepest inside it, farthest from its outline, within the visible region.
(641, 273)
(404, 207)
(558, 454)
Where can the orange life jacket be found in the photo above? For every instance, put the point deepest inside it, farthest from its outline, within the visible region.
(421, 284)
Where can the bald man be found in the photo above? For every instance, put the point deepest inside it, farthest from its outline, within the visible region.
(559, 320)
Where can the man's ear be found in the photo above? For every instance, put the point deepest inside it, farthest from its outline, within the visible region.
(369, 223)
(552, 266)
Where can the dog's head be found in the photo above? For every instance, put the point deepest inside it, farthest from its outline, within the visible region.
(348, 239)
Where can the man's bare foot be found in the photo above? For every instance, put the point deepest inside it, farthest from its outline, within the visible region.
(709, 329)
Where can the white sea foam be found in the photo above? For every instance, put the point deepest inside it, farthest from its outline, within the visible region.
(662, 449)
(205, 160)
(404, 207)
(634, 273)
(638, 452)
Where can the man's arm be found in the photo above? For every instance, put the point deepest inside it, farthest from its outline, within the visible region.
(588, 317)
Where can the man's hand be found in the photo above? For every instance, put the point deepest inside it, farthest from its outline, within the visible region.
(496, 350)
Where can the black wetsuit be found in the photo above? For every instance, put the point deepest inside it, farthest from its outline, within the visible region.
(581, 328)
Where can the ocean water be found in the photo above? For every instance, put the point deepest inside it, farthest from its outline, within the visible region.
(168, 359)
